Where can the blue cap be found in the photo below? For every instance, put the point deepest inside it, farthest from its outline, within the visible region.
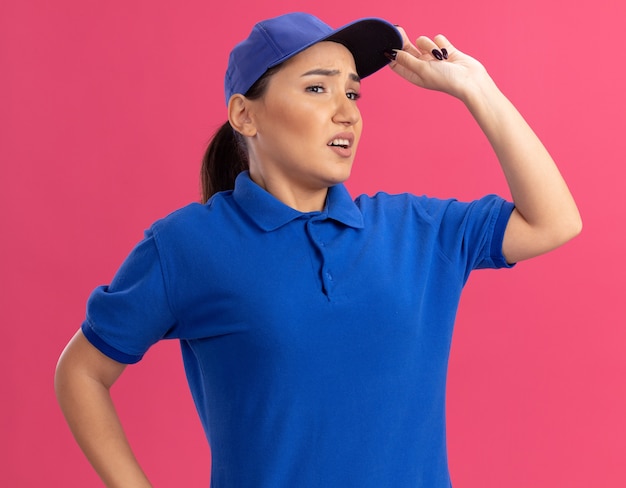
(275, 40)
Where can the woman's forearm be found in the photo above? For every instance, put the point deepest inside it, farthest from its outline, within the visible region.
(546, 215)
(82, 382)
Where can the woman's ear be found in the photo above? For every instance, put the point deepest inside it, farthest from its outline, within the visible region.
(239, 115)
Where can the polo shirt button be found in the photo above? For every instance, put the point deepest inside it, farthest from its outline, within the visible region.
(330, 276)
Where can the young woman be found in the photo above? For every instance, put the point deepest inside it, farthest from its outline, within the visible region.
(315, 328)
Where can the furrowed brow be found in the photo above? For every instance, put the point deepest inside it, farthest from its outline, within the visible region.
(331, 72)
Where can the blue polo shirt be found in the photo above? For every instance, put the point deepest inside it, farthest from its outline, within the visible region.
(315, 344)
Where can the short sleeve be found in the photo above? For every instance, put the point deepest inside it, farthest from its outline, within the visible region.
(487, 221)
(473, 232)
(126, 317)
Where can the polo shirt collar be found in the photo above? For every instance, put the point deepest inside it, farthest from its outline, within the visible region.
(269, 213)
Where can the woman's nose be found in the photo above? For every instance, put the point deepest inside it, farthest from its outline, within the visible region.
(347, 112)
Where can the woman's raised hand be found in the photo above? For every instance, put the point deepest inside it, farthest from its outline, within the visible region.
(436, 64)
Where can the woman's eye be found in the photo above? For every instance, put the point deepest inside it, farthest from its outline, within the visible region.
(353, 96)
(315, 89)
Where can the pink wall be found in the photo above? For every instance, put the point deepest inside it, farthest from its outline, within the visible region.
(105, 108)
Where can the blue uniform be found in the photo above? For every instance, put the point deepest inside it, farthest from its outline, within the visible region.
(315, 344)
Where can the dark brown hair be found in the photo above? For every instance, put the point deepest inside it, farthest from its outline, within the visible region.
(227, 154)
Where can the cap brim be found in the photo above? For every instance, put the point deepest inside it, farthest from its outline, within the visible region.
(367, 40)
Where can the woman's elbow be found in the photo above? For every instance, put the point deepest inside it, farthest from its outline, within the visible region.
(572, 227)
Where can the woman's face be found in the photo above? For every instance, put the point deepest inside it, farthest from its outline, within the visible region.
(307, 123)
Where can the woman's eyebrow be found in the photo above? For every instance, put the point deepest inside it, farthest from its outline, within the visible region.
(331, 72)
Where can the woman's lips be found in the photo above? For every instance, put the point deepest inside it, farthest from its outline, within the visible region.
(341, 144)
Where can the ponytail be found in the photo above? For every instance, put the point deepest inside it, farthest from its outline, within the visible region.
(227, 154)
(223, 160)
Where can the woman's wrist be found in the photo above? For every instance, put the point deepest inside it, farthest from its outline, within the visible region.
(480, 92)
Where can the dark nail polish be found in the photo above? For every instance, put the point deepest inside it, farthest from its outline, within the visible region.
(391, 55)
(437, 54)
(444, 51)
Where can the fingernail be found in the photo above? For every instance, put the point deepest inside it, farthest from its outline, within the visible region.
(444, 51)
(437, 54)
(391, 55)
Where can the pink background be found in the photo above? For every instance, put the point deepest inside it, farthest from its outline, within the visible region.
(105, 110)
